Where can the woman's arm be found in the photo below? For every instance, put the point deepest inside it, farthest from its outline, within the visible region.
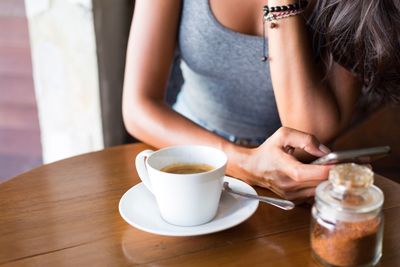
(305, 100)
(151, 49)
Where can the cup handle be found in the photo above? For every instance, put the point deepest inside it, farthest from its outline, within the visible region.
(142, 169)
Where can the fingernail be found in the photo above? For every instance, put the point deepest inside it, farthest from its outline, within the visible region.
(324, 149)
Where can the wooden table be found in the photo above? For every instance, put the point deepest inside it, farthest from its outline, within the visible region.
(66, 214)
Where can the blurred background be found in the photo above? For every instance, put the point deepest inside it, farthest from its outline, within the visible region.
(20, 147)
(61, 73)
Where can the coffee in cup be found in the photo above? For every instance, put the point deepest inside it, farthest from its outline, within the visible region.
(187, 168)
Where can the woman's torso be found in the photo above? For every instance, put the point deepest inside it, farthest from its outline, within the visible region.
(227, 88)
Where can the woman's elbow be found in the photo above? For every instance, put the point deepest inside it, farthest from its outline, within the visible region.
(131, 117)
(130, 123)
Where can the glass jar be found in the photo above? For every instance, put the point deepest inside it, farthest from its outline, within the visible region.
(347, 219)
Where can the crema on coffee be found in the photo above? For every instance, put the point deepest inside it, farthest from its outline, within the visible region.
(187, 168)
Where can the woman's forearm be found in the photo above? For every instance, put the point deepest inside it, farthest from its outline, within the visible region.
(151, 47)
(305, 100)
(156, 124)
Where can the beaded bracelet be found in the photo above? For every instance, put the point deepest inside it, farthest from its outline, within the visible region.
(291, 7)
(275, 13)
(281, 15)
(272, 14)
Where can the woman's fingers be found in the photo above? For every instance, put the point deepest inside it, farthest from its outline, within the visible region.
(285, 183)
(289, 138)
(289, 189)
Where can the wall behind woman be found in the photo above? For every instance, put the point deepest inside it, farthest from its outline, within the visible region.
(65, 76)
(78, 51)
(381, 128)
(112, 23)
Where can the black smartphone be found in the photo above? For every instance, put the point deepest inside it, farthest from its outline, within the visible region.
(361, 156)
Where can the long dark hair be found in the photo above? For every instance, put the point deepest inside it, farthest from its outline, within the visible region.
(364, 37)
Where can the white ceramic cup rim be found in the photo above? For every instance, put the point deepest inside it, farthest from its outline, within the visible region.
(153, 159)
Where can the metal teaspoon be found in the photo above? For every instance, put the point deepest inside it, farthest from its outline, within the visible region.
(280, 203)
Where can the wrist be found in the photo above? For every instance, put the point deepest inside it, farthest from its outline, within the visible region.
(237, 156)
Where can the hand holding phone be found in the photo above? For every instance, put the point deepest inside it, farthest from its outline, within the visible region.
(361, 156)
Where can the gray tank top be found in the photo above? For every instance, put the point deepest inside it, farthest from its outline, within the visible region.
(227, 88)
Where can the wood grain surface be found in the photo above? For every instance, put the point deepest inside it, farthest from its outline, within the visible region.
(66, 214)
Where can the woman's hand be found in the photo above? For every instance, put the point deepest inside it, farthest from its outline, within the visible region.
(273, 166)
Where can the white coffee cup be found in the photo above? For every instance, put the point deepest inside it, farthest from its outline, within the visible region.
(184, 199)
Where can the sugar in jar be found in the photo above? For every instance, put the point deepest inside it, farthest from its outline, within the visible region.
(347, 219)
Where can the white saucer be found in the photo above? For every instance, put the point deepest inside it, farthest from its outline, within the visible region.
(139, 208)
